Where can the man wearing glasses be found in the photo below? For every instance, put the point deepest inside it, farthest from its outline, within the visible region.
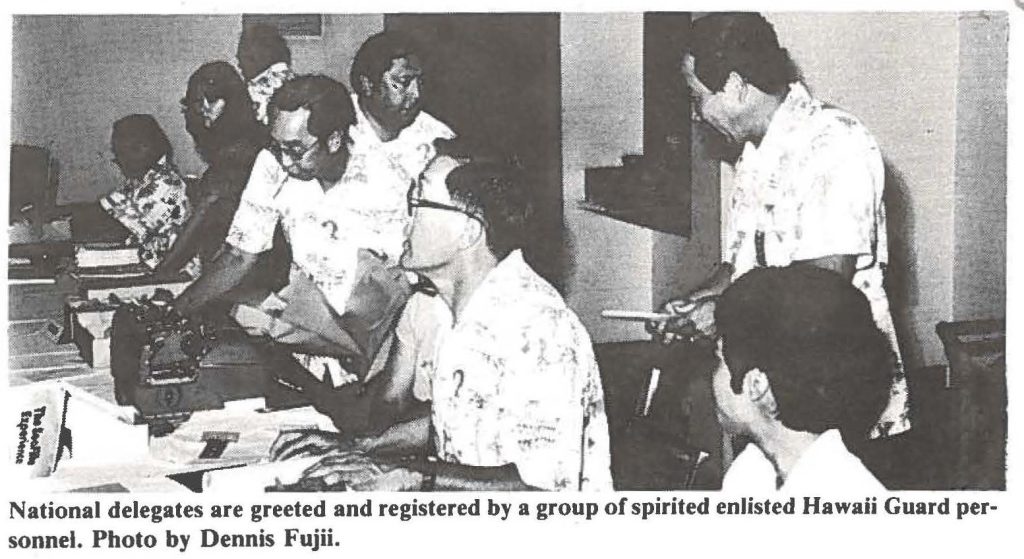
(517, 401)
(330, 201)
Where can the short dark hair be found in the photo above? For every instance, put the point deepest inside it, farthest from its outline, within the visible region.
(219, 80)
(330, 107)
(812, 333)
(741, 42)
(497, 192)
(375, 55)
(260, 46)
(141, 133)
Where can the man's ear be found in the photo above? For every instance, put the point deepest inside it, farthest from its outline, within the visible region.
(758, 389)
(335, 141)
(365, 87)
(472, 233)
(737, 87)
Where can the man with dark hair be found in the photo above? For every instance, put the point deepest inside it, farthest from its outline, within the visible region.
(803, 369)
(517, 401)
(808, 185)
(302, 167)
(152, 204)
(386, 77)
(308, 180)
(265, 61)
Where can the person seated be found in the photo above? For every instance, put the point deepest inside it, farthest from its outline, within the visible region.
(219, 117)
(517, 401)
(152, 204)
(804, 373)
(265, 61)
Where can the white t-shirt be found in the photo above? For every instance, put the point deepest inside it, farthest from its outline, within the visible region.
(826, 466)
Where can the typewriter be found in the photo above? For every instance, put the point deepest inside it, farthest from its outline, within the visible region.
(168, 365)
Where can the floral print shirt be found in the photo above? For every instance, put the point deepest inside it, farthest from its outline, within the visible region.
(263, 86)
(515, 381)
(154, 209)
(813, 188)
(365, 209)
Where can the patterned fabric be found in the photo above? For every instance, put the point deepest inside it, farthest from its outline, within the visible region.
(263, 86)
(154, 209)
(826, 466)
(813, 188)
(515, 381)
(365, 209)
(411, 150)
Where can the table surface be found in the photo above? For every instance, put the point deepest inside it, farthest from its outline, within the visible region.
(36, 357)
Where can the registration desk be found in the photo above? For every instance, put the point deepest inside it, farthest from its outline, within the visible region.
(113, 450)
(652, 449)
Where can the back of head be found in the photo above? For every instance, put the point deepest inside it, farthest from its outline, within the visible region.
(812, 333)
(138, 143)
(330, 107)
(375, 55)
(260, 46)
(741, 42)
(498, 192)
(213, 81)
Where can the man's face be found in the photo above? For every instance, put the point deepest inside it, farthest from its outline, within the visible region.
(298, 151)
(732, 409)
(435, 231)
(395, 99)
(721, 110)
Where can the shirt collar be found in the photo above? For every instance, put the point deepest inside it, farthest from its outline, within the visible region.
(424, 129)
(494, 285)
(819, 456)
(796, 107)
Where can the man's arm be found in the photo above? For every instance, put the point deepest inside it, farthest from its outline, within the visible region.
(694, 312)
(225, 273)
(456, 477)
(843, 264)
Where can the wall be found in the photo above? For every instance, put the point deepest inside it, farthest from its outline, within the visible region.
(75, 75)
(602, 119)
(979, 274)
(619, 265)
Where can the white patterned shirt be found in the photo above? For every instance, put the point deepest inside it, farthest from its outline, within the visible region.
(154, 209)
(515, 381)
(411, 150)
(813, 188)
(262, 87)
(365, 209)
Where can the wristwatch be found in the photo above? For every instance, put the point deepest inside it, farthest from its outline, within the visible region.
(429, 482)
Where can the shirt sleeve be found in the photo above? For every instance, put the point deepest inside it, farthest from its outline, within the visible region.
(544, 425)
(252, 229)
(838, 212)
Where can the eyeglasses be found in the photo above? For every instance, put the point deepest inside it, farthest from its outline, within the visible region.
(415, 201)
(294, 152)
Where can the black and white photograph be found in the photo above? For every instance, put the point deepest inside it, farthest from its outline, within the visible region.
(753, 253)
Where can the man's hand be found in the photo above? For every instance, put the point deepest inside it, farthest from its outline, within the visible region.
(692, 316)
(310, 442)
(358, 471)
